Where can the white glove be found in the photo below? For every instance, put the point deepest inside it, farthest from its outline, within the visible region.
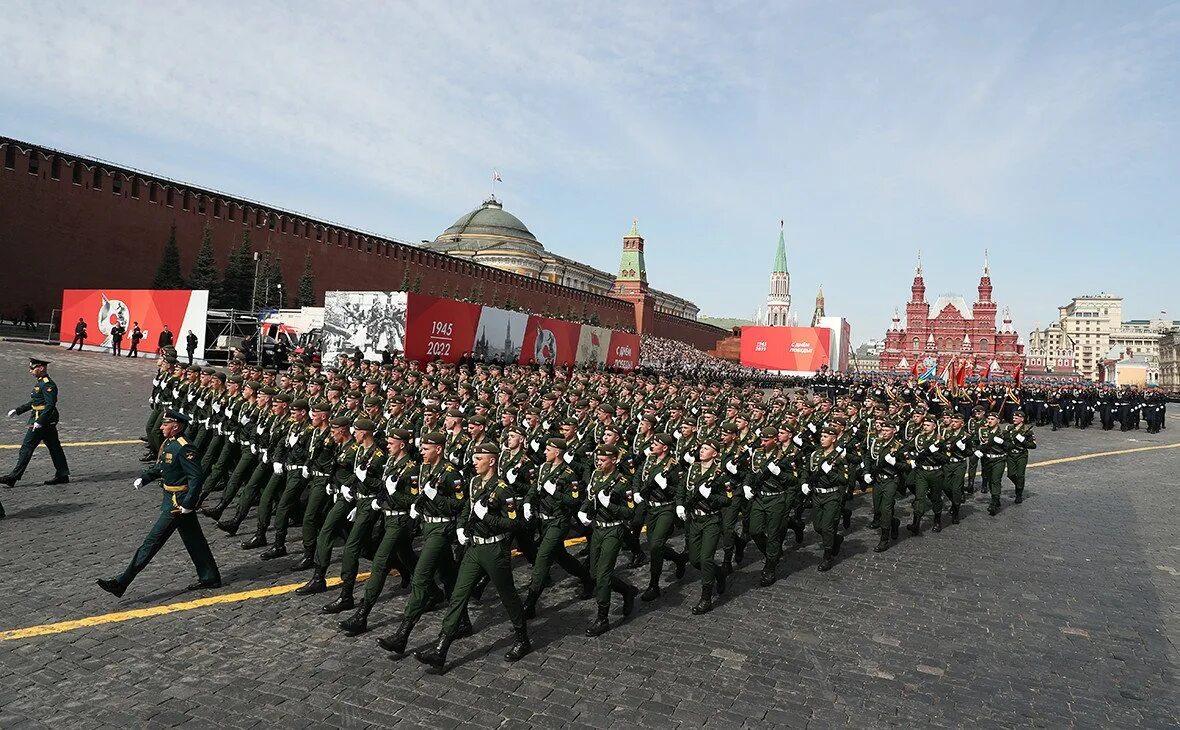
(306, 472)
(677, 435)
(681, 513)
(258, 430)
(12, 413)
(480, 509)
(266, 454)
(528, 512)
(217, 408)
(511, 476)
(374, 505)
(826, 467)
(811, 427)
(978, 454)
(868, 478)
(200, 403)
(890, 459)
(638, 498)
(774, 468)
(997, 439)
(233, 439)
(454, 459)
(390, 484)
(429, 491)
(604, 498)
(253, 448)
(962, 446)
(352, 514)
(413, 511)
(191, 397)
(550, 487)
(278, 467)
(704, 491)
(583, 518)
(731, 467)
(36, 425)
(346, 492)
(292, 439)
(137, 483)
(806, 489)
(748, 491)
(1020, 437)
(327, 489)
(568, 458)
(933, 448)
(661, 480)
(185, 510)
(462, 535)
(689, 458)
(244, 419)
(360, 473)
(535, 444)
(797, 440)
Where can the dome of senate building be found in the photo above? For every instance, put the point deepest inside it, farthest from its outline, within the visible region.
(488, 228)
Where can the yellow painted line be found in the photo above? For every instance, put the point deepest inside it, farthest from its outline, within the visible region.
(1083, 457)
(83, 443)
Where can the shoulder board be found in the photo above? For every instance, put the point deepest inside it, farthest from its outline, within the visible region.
(180, 440)
(44, 380)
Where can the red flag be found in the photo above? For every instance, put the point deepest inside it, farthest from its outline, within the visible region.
(914, 368)
(987, 374)
(1019, 373)
(964, 366)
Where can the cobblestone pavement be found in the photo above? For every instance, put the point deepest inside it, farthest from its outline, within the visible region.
(1061, 611)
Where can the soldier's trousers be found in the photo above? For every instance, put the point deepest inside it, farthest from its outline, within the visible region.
(293, 488)
(768, 524)
(825, 511)
(48, 436)
(972, 466)
(282, 491)
(226, 462)
(638, 520)
(394, 549)
(701, 539)
(605, 544)
(261, 479)
(731, 516)
(358, 536)
(884, 501)
(151, 428)
(993, 469)
(314, 514)
(926, 481)
(661, 521)
(243, 472)
(190, 533)
(951, 486)
(495, 560)
(552, 550)
(336, 521)
(212, 453)
(435, 556)
(1016, 465)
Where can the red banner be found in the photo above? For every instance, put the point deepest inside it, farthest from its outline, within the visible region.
(798, 349)
(624, 351)
(439, 329)
(550, 342)
(101, 309)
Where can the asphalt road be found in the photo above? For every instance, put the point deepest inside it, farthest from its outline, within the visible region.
(1061, 611)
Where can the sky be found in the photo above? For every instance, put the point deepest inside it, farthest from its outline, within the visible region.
(1046, 133)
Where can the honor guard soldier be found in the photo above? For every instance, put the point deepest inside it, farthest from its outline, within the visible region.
(991, 448)
(884, 464)
(825, 479)
(767, 486)
(957, 445)
(1020, 436)
(654, 488)
(178, 466)
(704, 494)
(43, 418)
(608, 506)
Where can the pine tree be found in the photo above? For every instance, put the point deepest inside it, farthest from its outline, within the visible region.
(238, 281)
(270, 282)
(168, 274)
(405, 285)
(306, 297)
(204, 274)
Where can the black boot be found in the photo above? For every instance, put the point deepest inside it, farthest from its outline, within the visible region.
(993, 510)
(937, 522)
(358, 622)
(894, 527)
(681, 565)
(954, 514)
(435, 659)
(522, 647)
(836, 543)
(397, 642)
(259, 540)
(277, 550)
(915, 527)
(112, 586)
(883, 545)
(307, 561)
(651, 593)
(847, 518)
(637, 559)
(317, 584)
(827, 563)
(768, 576)
(798, 528)
(343, 602)
(465, 628)
(704, 605)
(727, 561)
(57, 480)
(601, 623)
(721, 582)
(587, 591)
(230, 528)
(629, 595)
(739, 549)
(1019, 496)
(530, 605)
(876, 523)
(215, 511)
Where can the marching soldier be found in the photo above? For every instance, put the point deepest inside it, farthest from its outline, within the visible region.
(885, 461)
(957, 447)
(1020, 437)
(991, 447)
(43, 419)
(704, 494)
(767, 486)
(608, 506)
(654, 487)
(926, 451)
(826, 477)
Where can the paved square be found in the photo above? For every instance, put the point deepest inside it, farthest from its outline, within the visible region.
(1062, 611)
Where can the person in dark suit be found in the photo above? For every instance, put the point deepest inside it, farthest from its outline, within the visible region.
(117, 333)
(79, 334)
(136, 336)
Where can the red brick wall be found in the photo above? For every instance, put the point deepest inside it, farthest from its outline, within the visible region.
(698, 334)
(55, 234)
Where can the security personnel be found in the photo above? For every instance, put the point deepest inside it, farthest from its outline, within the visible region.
(825, 479)
(705, 492)
(1021, 439)
(178, 466)
(489, 518)
(655, 486)
(43, 417)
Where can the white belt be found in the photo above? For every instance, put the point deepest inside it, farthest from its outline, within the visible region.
(544, 516)
(817, 490)
(604, 525)
(654, 505)
(319, 474)
(930, 468)
(771, 494)
(437, 520)
(489, 540)
(702, 513)
(395, 513)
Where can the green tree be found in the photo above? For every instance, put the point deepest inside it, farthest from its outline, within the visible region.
(306, 297)
(405, 285)
(168, 274)
(270, 282)
(238, 280)
(204, 274)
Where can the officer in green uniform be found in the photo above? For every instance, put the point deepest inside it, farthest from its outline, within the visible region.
(608, 506)
(884, 464)
(976, 422)
(43, 417)
(957, 445)
(178, 466)
(926, 452)
(1021, 439)
(991, 447)
(489, 518)
(343, 503)
(655, 486)
(825, 479)
(735, 462)
(766, 486)
(704, 494)
(551, 501)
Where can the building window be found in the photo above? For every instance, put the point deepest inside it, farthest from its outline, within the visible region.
(229, 211)
(186, 201)
(153, 193)
(135, 187)
(319, 233)
(217, 208)
(117, 184)
(34, 162)
(55, 167)
(97, 182)
(201, 204)
(270, 221)
(77, 173)
(983, 345)
(10, 157)
(915, 343)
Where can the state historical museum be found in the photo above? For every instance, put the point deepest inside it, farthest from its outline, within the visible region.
(948, 331)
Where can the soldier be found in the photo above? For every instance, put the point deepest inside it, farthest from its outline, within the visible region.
(956, 445)
(977, 422)
(608, 506)
(705, 492)
(289, 462)
(489, 518)
(991, 447)
(136, 336)
(826, 477)
(310, 461)
(927, 454)
(654, 487)
(1020, 437)
(178, 466)
(885, 461)
(338, 487)
(43, 419)
(735, 461)
(771, 478)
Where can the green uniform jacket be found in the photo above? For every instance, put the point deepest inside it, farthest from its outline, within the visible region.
(447, 482)
(180, 469)
(503, 515)
(718, 490)
(659, 480)
(567, 491)
(619, 498)
(42, 403)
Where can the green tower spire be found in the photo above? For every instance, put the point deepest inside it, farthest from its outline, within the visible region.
(780, 256)
(632, 267)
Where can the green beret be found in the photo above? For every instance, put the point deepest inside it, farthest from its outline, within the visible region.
(269, 390)
(887, 423)
(606, 407)
(666, 439)
(322, 406)
(957, 415)
(400, 434)
(282, 398)
(341, 421)
(730, 427)
(371, 401)
(487, 448)
(830, 428)
(768, 432)
(208, 371)
(711, 442)
(613, 428)
(607, 450)
(454, 413)
(434, 439)
(219, 375)
(478, 420)
(299, 404)
(569, 422)
(235, 379)
(364, 424)
(583, 403)
(253, 384)
(355, 394)
(557, 444)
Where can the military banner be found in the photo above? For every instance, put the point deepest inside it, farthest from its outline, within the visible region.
(550, 342)
(101, 310)
(786, 349)
(440, 329)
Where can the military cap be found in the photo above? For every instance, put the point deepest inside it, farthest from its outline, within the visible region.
(208, 371)
(569, 422)
(993, 414)
(557, 443)
(322, 406)
(958, 415)
(400, 434)
(1019, 413)
(581, 403)
(613, 428)
(355, 394)
(431, 409)
(454, 413)
(532, 411)
(235, 379)
(434, 439)
(606, 407)
(730, 427)
(515, 428)
(487, 448)
(372, 381)
(193, 369)
(319, 380)
(768, 432)
(830, 429)
(371, 401)
(220, 376)
(282, 398)
(887, 423)
(271, 371)
(710, 409)
(549, 396)
(175, 416)
(341, 421)
(650, 418)
(335, 386)
(299, 404)
(711, 442)
(607, 450)
(510, 411)
(253, 384)
(977, 409)
(478, 420)
(666, 439)
(929, 418)
(364, 424)
(268, 390)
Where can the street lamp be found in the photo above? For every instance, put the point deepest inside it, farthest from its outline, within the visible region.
(280, 288)
(254, 291)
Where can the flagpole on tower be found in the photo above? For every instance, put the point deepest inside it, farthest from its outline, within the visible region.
(495, 179)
